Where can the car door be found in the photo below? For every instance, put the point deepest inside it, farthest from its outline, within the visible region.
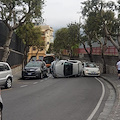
(3, 73)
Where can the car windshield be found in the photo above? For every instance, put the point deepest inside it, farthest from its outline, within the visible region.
(34, 64)
(48, 59)
(90, 65)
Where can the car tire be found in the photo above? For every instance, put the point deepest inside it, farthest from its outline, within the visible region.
(8, 83)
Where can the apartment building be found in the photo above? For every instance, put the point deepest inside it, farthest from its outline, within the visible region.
(47, 36)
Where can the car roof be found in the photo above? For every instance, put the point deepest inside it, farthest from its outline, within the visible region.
(4, 63)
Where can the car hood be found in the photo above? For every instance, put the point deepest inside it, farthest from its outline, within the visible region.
(31, 68)
(91, 69)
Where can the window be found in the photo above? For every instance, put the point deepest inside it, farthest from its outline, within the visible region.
(33, 58)
(34, 48)
(6, 67)
(1, 68)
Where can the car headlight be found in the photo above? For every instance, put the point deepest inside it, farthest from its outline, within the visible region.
(98, 71)
(37, 70)
(86, 70)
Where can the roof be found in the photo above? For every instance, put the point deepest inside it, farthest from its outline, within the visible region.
(46, 27)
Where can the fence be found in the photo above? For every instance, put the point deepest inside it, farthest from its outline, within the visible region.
(16, 47)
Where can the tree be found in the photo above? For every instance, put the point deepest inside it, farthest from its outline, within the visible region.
(50, 50)
(73, 37)
(112, 27)
(98, 15)
(61, 37)
(31, 36)
(67, 38)
(14, 13)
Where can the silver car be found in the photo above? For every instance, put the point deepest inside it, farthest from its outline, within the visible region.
(1, 106)
(5, 75)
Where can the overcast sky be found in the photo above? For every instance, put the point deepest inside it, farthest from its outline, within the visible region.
(59, 13)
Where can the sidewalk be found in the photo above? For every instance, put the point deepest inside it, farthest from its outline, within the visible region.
(16, 75)
(115, 82)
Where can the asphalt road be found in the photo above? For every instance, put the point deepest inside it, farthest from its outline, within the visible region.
(52, 99)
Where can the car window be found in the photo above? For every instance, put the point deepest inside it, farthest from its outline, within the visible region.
(6, 67)
(34, 64)
(1, 68)
(90, 65)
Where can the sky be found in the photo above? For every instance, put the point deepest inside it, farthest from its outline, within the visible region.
(60, 13)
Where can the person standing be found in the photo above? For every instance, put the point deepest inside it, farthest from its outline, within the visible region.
(118, 68)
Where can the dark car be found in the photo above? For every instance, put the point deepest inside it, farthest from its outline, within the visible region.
(35, 69)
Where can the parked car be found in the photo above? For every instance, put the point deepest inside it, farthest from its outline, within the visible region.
(66, 68)
(90, 69)
(5, 75)
(35, 69)
(1, 106)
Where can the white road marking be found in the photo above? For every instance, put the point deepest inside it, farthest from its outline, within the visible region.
(35, 83)
(24, 86)
(99, 102)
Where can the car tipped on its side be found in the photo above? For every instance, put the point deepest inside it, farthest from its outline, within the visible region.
(66, 68)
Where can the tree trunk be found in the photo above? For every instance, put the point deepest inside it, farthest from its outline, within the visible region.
(104, 63)
(118, 54)
(6, 52)
(89, 54)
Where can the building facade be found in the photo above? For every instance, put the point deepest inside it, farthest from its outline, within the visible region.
(47, 36)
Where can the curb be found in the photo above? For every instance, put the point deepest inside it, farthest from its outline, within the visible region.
(112, 113)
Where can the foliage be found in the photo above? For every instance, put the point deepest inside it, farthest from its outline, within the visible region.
(67, 38)
(61, 37)
(50, 50)
(14, 13)
(30, 35)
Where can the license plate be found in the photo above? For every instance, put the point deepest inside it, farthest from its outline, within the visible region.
(93, 73)
(29, 74)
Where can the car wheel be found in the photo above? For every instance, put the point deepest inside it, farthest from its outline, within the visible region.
(8, 83)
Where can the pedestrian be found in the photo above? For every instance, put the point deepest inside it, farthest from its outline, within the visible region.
(118, 68)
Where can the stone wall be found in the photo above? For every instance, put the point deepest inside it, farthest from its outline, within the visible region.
(110, 62)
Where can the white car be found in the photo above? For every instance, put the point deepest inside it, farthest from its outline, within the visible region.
(66, 68)
(5, 75)
(90, 69)
(1, 106)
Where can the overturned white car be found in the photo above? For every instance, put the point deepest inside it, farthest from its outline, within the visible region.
(66, 68)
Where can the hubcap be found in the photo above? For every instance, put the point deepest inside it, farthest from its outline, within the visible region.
(9, 83)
